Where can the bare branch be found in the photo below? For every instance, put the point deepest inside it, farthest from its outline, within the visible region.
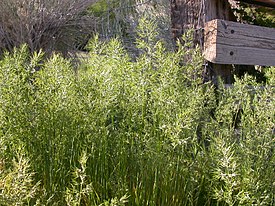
(47, 24)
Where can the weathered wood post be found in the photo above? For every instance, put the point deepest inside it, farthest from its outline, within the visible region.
(186, 14)
(224, 42)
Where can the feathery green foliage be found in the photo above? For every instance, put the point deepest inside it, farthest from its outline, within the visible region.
(124, 132)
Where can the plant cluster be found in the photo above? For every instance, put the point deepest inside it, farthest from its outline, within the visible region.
(256, 15)
(124, 132)
(121, 17)
(51, 25)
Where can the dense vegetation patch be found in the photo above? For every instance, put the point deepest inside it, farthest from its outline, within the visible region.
(122, 132)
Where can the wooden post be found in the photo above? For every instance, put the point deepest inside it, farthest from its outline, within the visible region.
(194, 14)
(184, 15)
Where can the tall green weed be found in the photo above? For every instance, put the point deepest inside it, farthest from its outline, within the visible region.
(118, 131)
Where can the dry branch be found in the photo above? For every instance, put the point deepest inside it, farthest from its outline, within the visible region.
(47, 24)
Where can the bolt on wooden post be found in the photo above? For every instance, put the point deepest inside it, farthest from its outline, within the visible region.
(229, 42)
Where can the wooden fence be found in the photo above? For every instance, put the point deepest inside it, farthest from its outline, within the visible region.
(225, 42)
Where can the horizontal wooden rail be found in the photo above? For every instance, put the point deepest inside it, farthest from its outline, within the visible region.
(267, 3)
(229, 42)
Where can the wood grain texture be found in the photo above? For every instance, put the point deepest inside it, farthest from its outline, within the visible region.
(229, 42)
(186, 14)
(216, 9)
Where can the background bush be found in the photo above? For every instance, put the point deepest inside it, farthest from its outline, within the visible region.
(120, 18)
(53, 25)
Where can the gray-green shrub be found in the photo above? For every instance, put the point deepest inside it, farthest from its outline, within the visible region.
(52, 25)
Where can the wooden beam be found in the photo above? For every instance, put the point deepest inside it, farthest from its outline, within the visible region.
(229, 42)
(218, 9)
(267, 3)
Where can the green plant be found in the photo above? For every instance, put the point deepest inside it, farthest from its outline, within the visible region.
(119, 131)
(260, 16)
(79, 192)
(16, 183)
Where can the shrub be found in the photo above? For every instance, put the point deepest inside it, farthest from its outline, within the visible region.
(48, 25)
